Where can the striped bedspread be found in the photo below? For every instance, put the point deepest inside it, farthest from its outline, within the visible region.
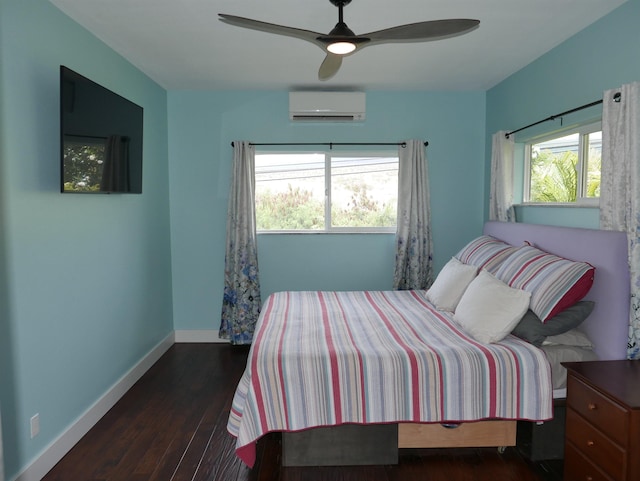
(327, 358)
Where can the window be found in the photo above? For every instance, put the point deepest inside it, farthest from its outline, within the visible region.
(565, 168)
(326, 192)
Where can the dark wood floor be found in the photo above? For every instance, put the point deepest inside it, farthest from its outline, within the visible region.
(171, 426)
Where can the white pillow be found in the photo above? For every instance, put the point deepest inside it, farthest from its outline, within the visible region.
(446, 291)
(573, 337)
(490, 309)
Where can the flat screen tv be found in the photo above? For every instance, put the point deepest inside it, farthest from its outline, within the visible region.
(100, 138)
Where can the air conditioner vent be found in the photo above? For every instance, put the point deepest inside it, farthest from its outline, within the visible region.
(327, 106)
(324, 118)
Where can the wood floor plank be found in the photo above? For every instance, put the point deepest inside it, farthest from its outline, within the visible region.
(171, 426)
(219, 461)
(269, 458)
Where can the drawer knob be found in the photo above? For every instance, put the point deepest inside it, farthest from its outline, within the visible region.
(590, 443)
(589, 478)
(592, 406)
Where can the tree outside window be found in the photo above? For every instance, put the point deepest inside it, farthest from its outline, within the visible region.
(326, 192)
(565, 169)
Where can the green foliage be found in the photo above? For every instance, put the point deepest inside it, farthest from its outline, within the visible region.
(83, 166)
(554, 177)
(593, 174)
(296, 209)
(363, 211)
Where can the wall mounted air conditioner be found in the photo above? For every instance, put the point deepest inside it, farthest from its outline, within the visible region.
(327, 106)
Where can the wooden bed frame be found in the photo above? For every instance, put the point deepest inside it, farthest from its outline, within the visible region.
(499, 433)
(607, 327)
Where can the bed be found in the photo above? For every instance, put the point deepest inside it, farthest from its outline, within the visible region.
(608, 325)
(326, 362)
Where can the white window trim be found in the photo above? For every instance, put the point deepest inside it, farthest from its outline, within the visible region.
(332, 230)
(581, 201)
(328, 229)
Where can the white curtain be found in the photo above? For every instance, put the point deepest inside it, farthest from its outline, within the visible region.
(413, 268)
(241, 301)
(501, 191)
(620, 186)
(116, 169)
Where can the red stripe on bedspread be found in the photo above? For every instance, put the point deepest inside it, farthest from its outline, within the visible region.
(413, 363)
(360, 364)
(257, 388)
(493, 370)
(423, 302)
(335, 379)
(283, 393)
(331, 358)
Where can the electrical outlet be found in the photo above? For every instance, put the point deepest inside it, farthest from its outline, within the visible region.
(35, 425)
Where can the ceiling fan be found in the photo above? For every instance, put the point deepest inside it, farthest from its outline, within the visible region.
(341, 41)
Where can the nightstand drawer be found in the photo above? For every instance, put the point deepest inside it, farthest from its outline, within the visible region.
(579, 468)
(609, 417)
(595, 446)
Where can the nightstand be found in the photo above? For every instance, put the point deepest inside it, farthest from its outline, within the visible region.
(602, 436)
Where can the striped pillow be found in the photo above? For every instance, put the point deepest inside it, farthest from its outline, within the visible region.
(555, 283)
(486, 253)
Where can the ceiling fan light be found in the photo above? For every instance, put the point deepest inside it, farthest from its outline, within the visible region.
(341, 48)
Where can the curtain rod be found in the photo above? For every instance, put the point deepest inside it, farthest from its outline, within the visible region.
(553, 117)
(616, 98)
(331, 144)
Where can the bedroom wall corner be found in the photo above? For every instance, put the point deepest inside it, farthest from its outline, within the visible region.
(85, 280)
(574, 73)
(201, 128)
(54, 452)
(6, 356)
(198, 335)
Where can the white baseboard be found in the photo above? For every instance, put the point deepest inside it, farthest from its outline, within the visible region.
(198, 336)
(63, 444)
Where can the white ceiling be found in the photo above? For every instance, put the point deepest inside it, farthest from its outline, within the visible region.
(181, 44)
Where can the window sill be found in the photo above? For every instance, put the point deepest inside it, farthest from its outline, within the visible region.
(325, 232)
(573, 205)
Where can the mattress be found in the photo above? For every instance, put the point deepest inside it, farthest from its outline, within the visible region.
(332, 358)
(557, 354)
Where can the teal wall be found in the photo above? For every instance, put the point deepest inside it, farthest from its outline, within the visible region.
(201, 128)
(85, 284)
(602, 56)
(89, 284)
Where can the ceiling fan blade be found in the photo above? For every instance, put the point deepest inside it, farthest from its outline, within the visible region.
(307, 35)
(330, 66)
(422, 31)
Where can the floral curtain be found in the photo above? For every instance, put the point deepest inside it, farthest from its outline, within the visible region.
(620, 186)
(241, 301)
(501, 191)
(413, 268)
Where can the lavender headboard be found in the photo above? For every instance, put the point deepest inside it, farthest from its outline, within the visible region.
(608, 324)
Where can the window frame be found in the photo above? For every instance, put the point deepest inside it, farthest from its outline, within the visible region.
(328, 155)
(581, 200)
